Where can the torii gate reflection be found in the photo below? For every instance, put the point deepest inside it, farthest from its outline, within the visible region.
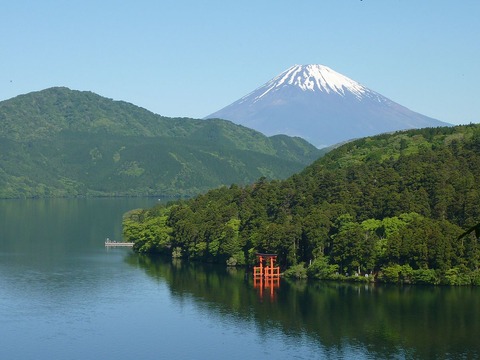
(265, 275)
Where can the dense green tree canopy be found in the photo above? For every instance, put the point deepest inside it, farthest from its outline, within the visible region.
(389, 207)
(60, 142)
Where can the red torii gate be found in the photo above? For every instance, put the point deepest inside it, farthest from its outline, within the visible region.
(266, 271)
(266, 275)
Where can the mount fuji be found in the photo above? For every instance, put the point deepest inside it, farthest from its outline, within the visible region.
(322, 106)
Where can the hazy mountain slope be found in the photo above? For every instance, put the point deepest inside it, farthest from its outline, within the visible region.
(321, 106)
(61, 142)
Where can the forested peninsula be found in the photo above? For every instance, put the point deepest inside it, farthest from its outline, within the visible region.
(389, 208)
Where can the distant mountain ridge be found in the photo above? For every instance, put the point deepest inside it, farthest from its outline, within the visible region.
(322, 106)
(62, 142)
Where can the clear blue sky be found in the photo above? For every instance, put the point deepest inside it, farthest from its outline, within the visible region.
(191, 58)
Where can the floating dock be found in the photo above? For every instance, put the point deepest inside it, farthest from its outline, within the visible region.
(110, 243)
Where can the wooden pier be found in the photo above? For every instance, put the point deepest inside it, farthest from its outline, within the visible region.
(110, 243)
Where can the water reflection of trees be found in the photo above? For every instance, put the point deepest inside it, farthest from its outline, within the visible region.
(426, 322)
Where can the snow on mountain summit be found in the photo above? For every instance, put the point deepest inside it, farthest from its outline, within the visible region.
(322, 106)
(314, 78)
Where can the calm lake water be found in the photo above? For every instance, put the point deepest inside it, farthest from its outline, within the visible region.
(64, 296)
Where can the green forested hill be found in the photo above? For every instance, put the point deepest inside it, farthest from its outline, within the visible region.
(61, 142)
(389, 207)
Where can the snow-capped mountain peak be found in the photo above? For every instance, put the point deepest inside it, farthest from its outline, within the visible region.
(322, 106)
(313, 78)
